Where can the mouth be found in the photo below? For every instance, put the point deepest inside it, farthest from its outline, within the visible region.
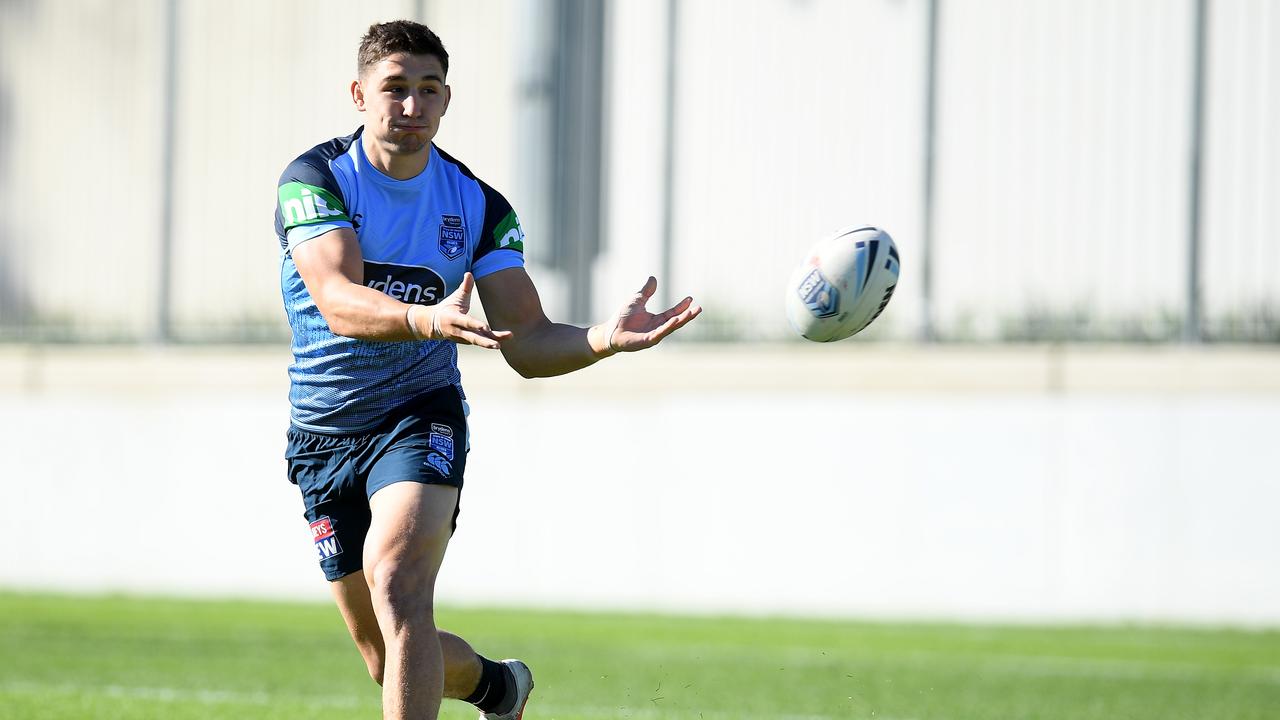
(409, 128)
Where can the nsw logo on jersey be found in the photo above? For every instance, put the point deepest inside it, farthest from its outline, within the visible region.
(326, 541)
(407, 283)
(453, 239)
(303, 204)
(508, 235)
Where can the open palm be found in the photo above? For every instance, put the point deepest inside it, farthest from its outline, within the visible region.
(637, 328)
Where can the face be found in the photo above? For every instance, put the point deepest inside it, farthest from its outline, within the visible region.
(404, 96)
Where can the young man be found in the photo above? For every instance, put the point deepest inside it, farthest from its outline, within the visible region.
(384, 237)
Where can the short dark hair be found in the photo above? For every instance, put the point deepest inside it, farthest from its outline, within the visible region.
(407, 36)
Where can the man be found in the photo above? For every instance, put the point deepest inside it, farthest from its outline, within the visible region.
(384, 237)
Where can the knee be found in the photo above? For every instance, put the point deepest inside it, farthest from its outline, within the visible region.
(402, 592)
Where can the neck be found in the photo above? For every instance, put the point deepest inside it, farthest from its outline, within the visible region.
(400, 167)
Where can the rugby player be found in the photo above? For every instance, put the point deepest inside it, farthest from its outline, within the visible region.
(384, 237)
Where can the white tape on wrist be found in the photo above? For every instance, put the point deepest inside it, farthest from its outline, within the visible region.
(413, 326)
(608, 337)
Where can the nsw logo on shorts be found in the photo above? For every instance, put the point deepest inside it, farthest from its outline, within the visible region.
(442, 444)
(326, 542)
(441, 440)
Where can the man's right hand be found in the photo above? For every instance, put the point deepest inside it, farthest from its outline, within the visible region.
(448, 320)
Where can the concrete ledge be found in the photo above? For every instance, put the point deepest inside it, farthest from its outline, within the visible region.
(1099, 484)
(706, 367)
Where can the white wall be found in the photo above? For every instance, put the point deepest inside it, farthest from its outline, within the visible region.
(1063, 159)
(1013, 484)
(793, 120)
(1062, 153)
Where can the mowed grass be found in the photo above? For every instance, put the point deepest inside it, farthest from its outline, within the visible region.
(101, 658)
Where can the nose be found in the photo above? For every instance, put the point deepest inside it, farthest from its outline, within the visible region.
(411, 106)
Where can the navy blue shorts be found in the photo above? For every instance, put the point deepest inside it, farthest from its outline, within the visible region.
(424, 441)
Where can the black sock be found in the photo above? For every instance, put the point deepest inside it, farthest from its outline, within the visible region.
(496, 684)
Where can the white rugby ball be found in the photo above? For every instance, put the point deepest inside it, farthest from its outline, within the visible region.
(843, 285)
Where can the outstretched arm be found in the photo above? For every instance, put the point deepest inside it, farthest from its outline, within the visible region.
(541, 348)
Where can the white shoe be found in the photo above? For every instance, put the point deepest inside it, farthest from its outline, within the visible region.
(524, 686)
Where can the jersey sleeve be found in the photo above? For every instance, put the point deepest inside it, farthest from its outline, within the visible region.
(501, 242)
(309, 203)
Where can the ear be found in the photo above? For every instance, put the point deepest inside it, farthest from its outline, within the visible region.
(357, 94)
(448, 95)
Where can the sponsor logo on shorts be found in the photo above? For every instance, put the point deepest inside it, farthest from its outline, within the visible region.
(440, 429)
(441, 443)
(440, 464)
(819, 295)
(326, 541)
(452, 238)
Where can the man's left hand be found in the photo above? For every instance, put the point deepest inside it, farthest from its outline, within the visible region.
(635, 328)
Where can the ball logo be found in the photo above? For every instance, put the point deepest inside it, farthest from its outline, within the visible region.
(407, 283)
(819, 295)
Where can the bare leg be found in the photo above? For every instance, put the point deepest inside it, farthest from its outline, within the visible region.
(461, 666)
(352, 596)
(403, 551)
(462, 670)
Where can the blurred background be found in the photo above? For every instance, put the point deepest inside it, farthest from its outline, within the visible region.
(1068, 411)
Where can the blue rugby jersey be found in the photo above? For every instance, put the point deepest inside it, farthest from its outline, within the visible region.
(417, 237)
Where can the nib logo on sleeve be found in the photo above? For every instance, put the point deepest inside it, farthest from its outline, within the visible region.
(303, 204)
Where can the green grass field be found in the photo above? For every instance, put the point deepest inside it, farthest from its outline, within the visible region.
(101, 658)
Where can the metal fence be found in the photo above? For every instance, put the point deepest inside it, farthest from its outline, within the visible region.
(1057, 170)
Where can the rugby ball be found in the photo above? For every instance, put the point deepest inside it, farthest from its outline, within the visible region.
(843, 285)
